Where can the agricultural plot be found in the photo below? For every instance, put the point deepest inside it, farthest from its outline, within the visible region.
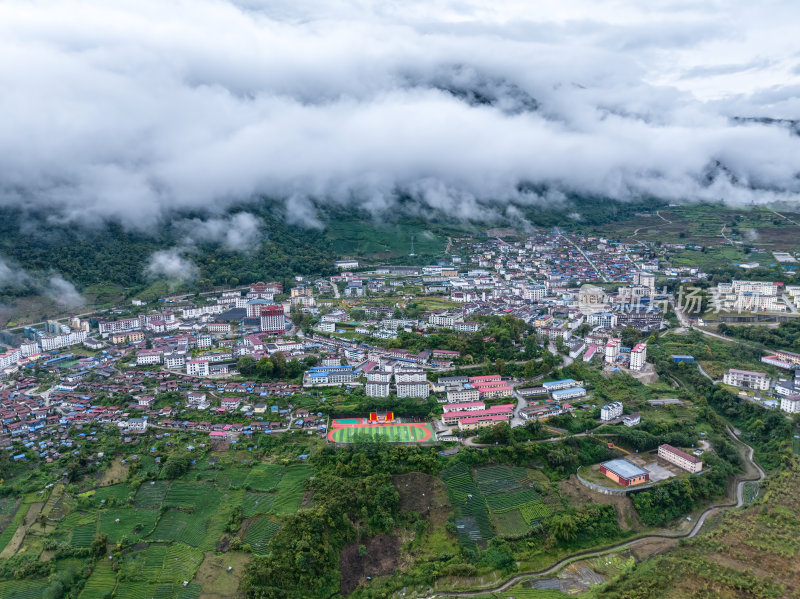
(177, 525)
(257, 503)
(260, 533)
(151, 494)
(264, 477)
(231, 478)
(472, 515)
(12, 524)
(113, 494)
(23, 589)
(133, 524)
(511, 498)
(101, 583)
(189, 495)
(142, 590)
(505, 502)
(157, 563)
(82, 536)
(290, 489)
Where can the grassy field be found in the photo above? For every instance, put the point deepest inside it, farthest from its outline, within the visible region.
(403, 433)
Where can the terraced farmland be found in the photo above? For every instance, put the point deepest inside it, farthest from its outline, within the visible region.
(290, 489)
(151, 494)
(22, 589)
(264, 477)
(257, 503)
(260, 533)
(472, 515)
(101, 583)
(133, 524)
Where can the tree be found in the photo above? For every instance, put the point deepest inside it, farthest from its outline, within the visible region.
(246, 366)
(177, 465)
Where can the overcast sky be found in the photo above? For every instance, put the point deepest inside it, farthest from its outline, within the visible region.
(133, 108)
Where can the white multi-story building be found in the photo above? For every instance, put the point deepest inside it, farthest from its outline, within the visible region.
(197, 367)
(746, 379)
(638, 356)
(606, 320)
(447, 321)
(124, 325)
(10, 358)
(135, 425)
(148, 356)
(534, 292)
(379, 376)
(612, 350)
(30, 348)
(791, 403)
(198, 312)
(466, 327)
(413, 389)
(680, 458)
(410, 376)
(52, 342)
(377, 389)
(175, 360)
(611, 411)
(462, 394)
(273, 319)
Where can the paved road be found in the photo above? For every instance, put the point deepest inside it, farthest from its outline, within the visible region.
(698, 525)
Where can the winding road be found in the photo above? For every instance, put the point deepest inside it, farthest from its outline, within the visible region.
(517, 578)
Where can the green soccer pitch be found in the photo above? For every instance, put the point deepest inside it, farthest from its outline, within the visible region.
(410, 432)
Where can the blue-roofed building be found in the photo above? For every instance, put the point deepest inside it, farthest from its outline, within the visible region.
(682, 358)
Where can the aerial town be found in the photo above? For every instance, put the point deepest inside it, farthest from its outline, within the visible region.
(109, 368)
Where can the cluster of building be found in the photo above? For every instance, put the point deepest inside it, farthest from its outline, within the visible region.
(626, 473)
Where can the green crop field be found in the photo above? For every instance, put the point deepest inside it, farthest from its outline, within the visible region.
(82, 536)
(290, 489)
(176, 525)
(259, 534)
(257, 503)
(101, 583)
(472, 516)
(133, 523)
(151, 494)
(410, 433)
(23, 589)
(264, 477)
(12, 526)
(112, 494)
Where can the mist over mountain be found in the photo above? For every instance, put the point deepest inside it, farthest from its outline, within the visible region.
(132, 110)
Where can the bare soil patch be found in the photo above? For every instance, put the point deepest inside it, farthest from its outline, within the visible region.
(380, 556)
(416, 492)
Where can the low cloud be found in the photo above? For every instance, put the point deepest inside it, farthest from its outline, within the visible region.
(63, 292)
(453, 107)
(171, 265)
(240, 232)
(12, 277)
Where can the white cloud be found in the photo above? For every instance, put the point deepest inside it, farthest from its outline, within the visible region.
(140, 107)
(63, 292)
(241, 232)
(12, 277)
(171, 265)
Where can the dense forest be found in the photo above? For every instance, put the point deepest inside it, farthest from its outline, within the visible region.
(785, 336)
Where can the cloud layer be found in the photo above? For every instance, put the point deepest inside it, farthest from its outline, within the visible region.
(133, 109)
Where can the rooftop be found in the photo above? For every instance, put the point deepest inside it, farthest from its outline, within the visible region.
(624, 468)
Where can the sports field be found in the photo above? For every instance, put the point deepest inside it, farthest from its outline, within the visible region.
(407, 432)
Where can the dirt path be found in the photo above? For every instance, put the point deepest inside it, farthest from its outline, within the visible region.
(659, 540)
(16, 541)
